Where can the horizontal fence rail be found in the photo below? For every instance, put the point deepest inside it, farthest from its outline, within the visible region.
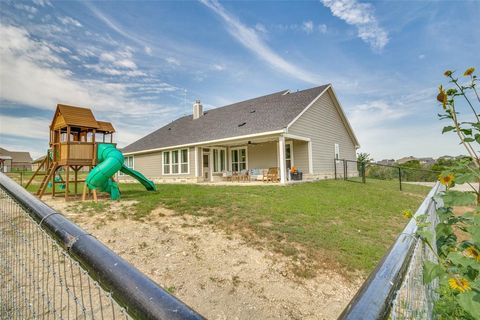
(52, 269)
(395, 290)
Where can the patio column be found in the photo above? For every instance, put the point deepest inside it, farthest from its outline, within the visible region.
(310, 158)
(282, 162)
(197, 162)
(210, 165)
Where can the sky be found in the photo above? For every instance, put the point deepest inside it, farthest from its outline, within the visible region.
(141, 64)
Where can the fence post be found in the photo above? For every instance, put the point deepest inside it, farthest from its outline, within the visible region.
(344, 169)
(400, 177)
(364, 180)
(335, 166)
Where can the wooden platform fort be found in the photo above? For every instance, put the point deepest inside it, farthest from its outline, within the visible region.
(74, 135)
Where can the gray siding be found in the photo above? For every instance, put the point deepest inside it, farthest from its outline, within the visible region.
(323, 125)
(262, 156)
(300, 155)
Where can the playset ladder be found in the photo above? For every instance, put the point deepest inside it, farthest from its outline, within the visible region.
(49, 174)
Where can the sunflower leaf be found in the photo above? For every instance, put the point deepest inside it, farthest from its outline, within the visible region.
(447, 129)
(470, 302)
(431, 271)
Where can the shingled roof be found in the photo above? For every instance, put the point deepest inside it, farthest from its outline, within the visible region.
(263, 114)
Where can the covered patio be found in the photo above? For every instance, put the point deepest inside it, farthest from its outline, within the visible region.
(277, 158)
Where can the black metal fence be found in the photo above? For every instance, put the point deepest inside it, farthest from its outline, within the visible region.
(52, 269)
(395, 289)
(356, 171)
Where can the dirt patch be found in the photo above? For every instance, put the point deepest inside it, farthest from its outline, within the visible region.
(220, 275)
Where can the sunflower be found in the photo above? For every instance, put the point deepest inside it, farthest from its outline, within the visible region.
(472, 252)
(448, 73)
(447, 180)
(407, 214)
(442, 97)
(469, 71)
(459, 284)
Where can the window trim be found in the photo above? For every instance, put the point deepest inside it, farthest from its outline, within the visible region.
(231, 157)
(225, 162)
(180, 163)
(133, 164)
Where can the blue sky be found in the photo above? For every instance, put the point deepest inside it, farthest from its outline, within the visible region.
(142, 64)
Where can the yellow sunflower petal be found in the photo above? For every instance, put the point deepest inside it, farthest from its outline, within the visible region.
(469, 71)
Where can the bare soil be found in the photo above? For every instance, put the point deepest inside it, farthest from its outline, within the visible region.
(220, 275)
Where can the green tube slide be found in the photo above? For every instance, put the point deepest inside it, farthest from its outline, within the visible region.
(110, 160)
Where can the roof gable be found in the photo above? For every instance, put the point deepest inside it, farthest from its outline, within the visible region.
(73, 116)
(254, 116)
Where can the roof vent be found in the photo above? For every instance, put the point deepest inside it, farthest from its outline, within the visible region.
(242, 124)
(252, 111)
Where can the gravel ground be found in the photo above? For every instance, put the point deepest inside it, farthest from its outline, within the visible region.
(219, 275)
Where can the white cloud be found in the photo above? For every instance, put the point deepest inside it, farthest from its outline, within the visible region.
(125, 63)
(261, 28)
(322, 28)
(24, 127)
(26, 8)
(70, 21)
(218, 67)
(148, 50)
(42, 3)
(360, 15)
(307, 26)
(250, 39)
(173, 61)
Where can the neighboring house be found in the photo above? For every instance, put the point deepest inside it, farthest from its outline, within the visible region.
(15, 161)
(37, 162)
(427, 160)
(388, 162)
(306, 129)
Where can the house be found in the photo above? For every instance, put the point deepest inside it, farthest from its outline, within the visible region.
(387, 162)
(15, 161)
(38, 162)
(426, 160)
(305, 129)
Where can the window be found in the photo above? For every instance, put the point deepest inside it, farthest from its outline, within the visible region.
(239, 159)
(337, 151)
(166, 163)
(175, 161)
(219, 160)
(184, 161)
(127, 162)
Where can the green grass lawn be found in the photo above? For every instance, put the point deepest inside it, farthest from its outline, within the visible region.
(342, 223)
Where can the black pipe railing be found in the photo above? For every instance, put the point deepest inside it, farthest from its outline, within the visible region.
(141, 297)
(373, 300)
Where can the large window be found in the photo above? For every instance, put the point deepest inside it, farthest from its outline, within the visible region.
(239, 159)
(289, 155)
(219, 160)
(127, 162)
(175, 162)
(166, 162)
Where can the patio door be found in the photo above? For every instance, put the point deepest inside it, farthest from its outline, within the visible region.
(239, 159)
(206, 164)
(288, 157)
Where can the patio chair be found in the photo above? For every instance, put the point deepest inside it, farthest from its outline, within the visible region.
(227, 175)
(272, 175)
(244, 176)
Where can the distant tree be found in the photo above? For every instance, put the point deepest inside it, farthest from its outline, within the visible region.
(364, 157)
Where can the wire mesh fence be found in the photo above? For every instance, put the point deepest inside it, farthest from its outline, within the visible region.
(52, 269)
(395, 289)
(405, 177)
(39, 279)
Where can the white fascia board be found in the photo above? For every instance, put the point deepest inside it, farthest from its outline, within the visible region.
(209, 142)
